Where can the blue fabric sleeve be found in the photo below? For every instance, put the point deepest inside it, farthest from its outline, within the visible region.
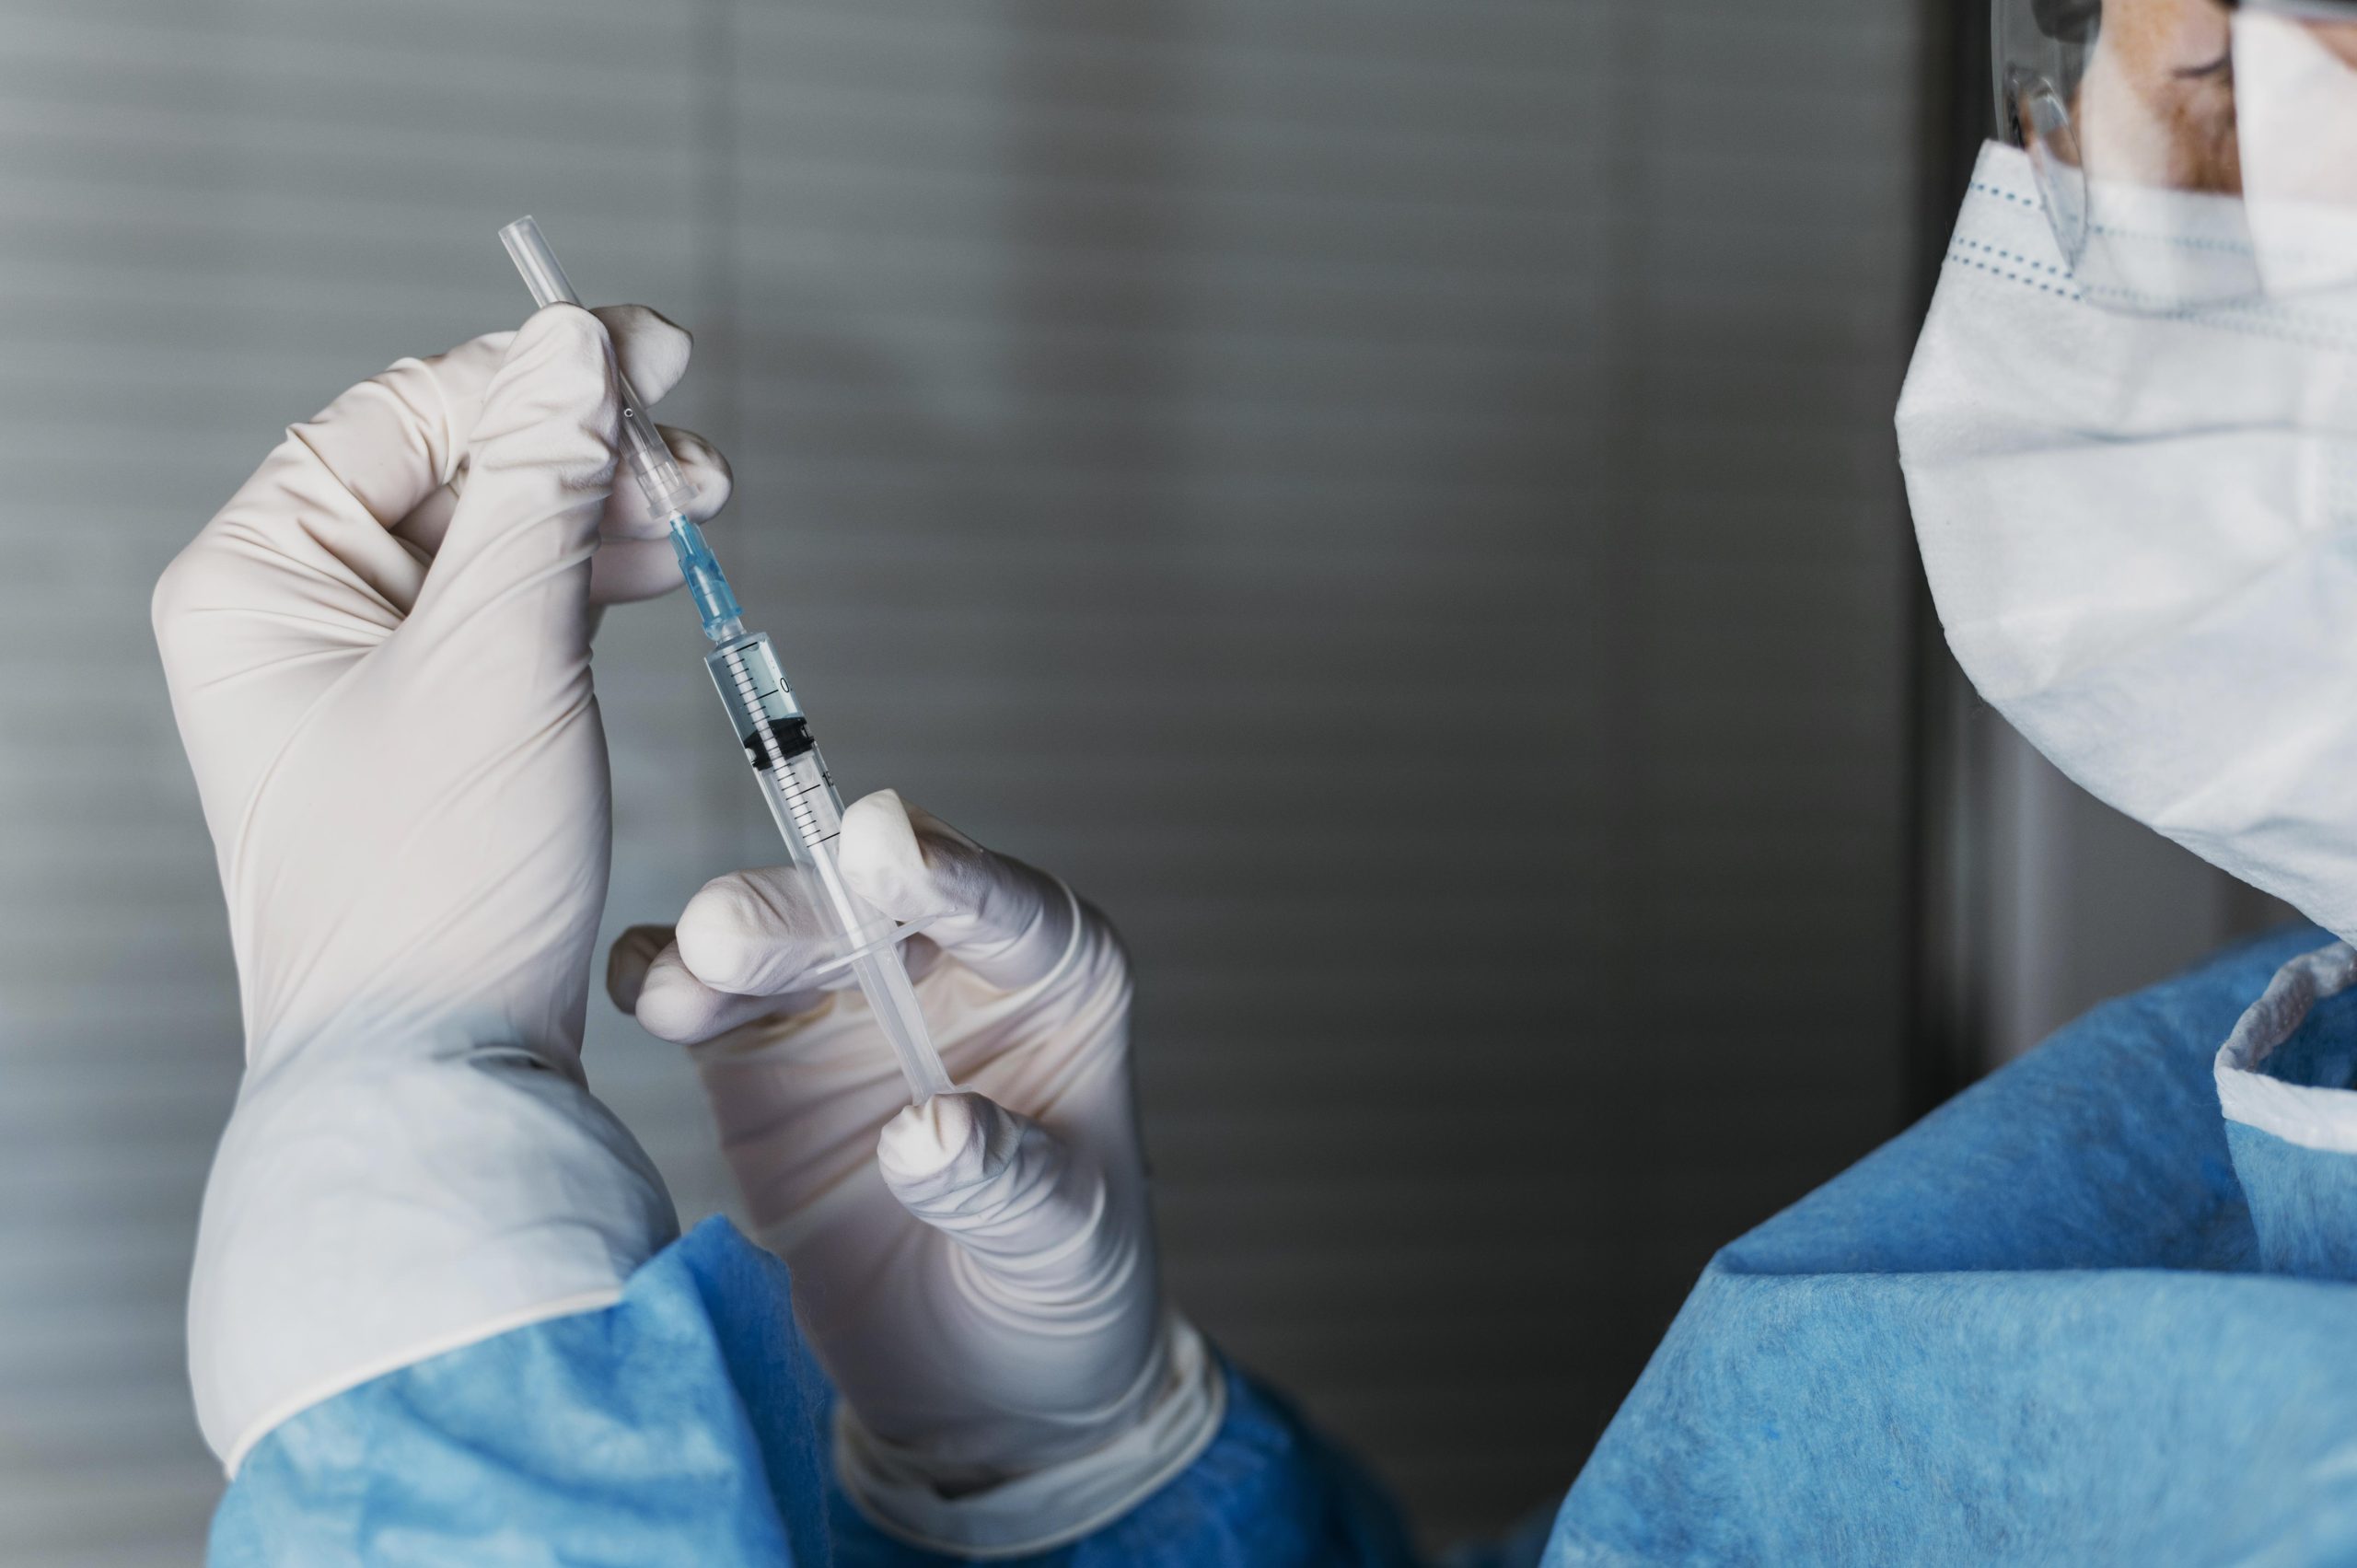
(2030, 1329)
(2303, 1201)
(688, 1424)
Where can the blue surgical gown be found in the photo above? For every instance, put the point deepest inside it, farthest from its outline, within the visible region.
(687, 1423)
(2038, 1326)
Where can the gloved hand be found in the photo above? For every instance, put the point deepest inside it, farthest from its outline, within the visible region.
(978, 1272)
(378, 655)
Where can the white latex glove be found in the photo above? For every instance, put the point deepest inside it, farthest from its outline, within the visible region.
(378, 654)
(979, 1273)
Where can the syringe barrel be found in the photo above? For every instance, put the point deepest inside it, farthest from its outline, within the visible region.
(809, 814)
(651, 463)
(777, 741)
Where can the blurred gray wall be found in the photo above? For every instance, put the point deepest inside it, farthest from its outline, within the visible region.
(2048, 900)
(1394, 500)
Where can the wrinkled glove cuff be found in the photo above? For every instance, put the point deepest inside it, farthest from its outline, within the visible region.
(905, 1495)
(374, 1203)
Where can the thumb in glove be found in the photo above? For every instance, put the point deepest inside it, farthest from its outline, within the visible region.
(1042, 1247)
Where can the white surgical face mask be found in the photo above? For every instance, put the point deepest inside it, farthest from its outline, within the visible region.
(2141, 535)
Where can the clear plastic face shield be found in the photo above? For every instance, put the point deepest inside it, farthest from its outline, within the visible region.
(2189, 152)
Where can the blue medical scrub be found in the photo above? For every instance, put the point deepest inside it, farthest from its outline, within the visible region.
(2033, 1329)
(688, 1424)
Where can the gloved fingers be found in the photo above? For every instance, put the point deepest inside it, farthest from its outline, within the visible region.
(627, 962)
(1009, 922)
(380, 450)
(647, 979)
(380, 447)
(652, 351)
(651, 348)
(634, 559)
(648, 348)
(301, 559)
(761, 933)
(540, 467)
(625, 570)
(327, 544)
(629, 516)
(1031, 1215)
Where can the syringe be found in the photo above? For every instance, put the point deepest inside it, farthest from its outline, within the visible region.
(769, 721)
